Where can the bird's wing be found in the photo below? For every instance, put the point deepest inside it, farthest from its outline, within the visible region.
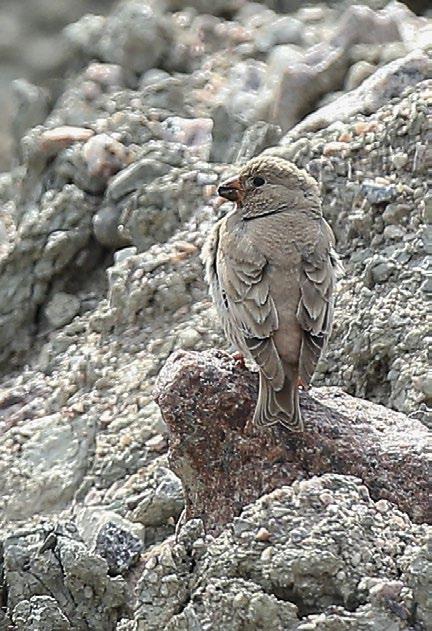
(318, 271)
(214, 278)
(243, 277)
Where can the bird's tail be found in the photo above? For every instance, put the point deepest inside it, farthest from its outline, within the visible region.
(281, 406)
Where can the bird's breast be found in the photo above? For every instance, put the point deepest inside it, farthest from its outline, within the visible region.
(278, 237)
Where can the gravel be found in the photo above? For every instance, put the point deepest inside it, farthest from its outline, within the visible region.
(102, 219)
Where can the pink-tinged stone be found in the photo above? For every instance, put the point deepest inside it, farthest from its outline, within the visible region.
(207, 400)
(54, 140)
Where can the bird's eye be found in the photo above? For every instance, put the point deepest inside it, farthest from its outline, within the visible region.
(258, 181)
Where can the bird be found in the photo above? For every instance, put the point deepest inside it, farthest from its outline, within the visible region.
(271, 267)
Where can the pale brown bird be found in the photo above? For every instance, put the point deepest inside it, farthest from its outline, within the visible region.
(271, 267)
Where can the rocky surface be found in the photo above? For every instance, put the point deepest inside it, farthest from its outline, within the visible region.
(101, 226)
(34, 56)
(319, 554)
(207, 401)
(381, 225)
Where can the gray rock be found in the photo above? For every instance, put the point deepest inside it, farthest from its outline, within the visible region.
(400, 160)
(112, 537)
(106, 228)
(135, 36)
(137, 174)
(396, 213)
(162, 501)
(377, 193)
(153, 76)
(303, 82)
(363, 24)
(34, 59)
(4, 237)
(426, 286)
(104, 155)
(428, 209)
(257, 138)
(67, 573)
(418, 575)
(53, 459)
(62, 308)
(296, 85)
(350, 160)
(224, 7)
(357, 74)
(394, 233)
(285, 30)
(324, 527)
(228, 130)
(194, 133)
(31, 107)
(79, 429)
(163, 204)
(120, 548)
(232, 603)
(39, 613)
(84, 34)
(382, 271)
(50, 236)
(124, 253)
(386, 83)
(161, 90)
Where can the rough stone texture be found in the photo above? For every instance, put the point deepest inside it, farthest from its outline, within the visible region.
(135, 35)
(53, 561)
(46, 244)
(54, 240)
(33, 48)
(207, 401)
(120, 548)
(50, 461)
(384, 84)
(160, 185)
(62, 308)
(319, 554)
(417, 572)
(109, 203)
(371, 171)
(31, 614)
(160, 503)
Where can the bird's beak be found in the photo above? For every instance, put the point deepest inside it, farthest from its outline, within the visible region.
(232, 190)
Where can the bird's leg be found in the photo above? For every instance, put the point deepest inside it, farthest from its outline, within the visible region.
(302, 385)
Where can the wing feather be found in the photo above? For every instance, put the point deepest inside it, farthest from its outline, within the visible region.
(251, 317)
(318, 273)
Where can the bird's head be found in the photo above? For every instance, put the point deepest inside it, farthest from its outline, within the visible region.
(269, 183)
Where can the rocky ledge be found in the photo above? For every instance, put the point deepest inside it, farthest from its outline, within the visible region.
(102, 294)
(207, 401)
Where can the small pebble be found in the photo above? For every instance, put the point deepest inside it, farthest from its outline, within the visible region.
(263, 535)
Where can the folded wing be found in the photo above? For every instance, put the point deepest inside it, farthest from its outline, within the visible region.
(319, 268)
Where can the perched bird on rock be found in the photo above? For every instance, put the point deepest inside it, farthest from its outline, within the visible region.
(271, 267)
